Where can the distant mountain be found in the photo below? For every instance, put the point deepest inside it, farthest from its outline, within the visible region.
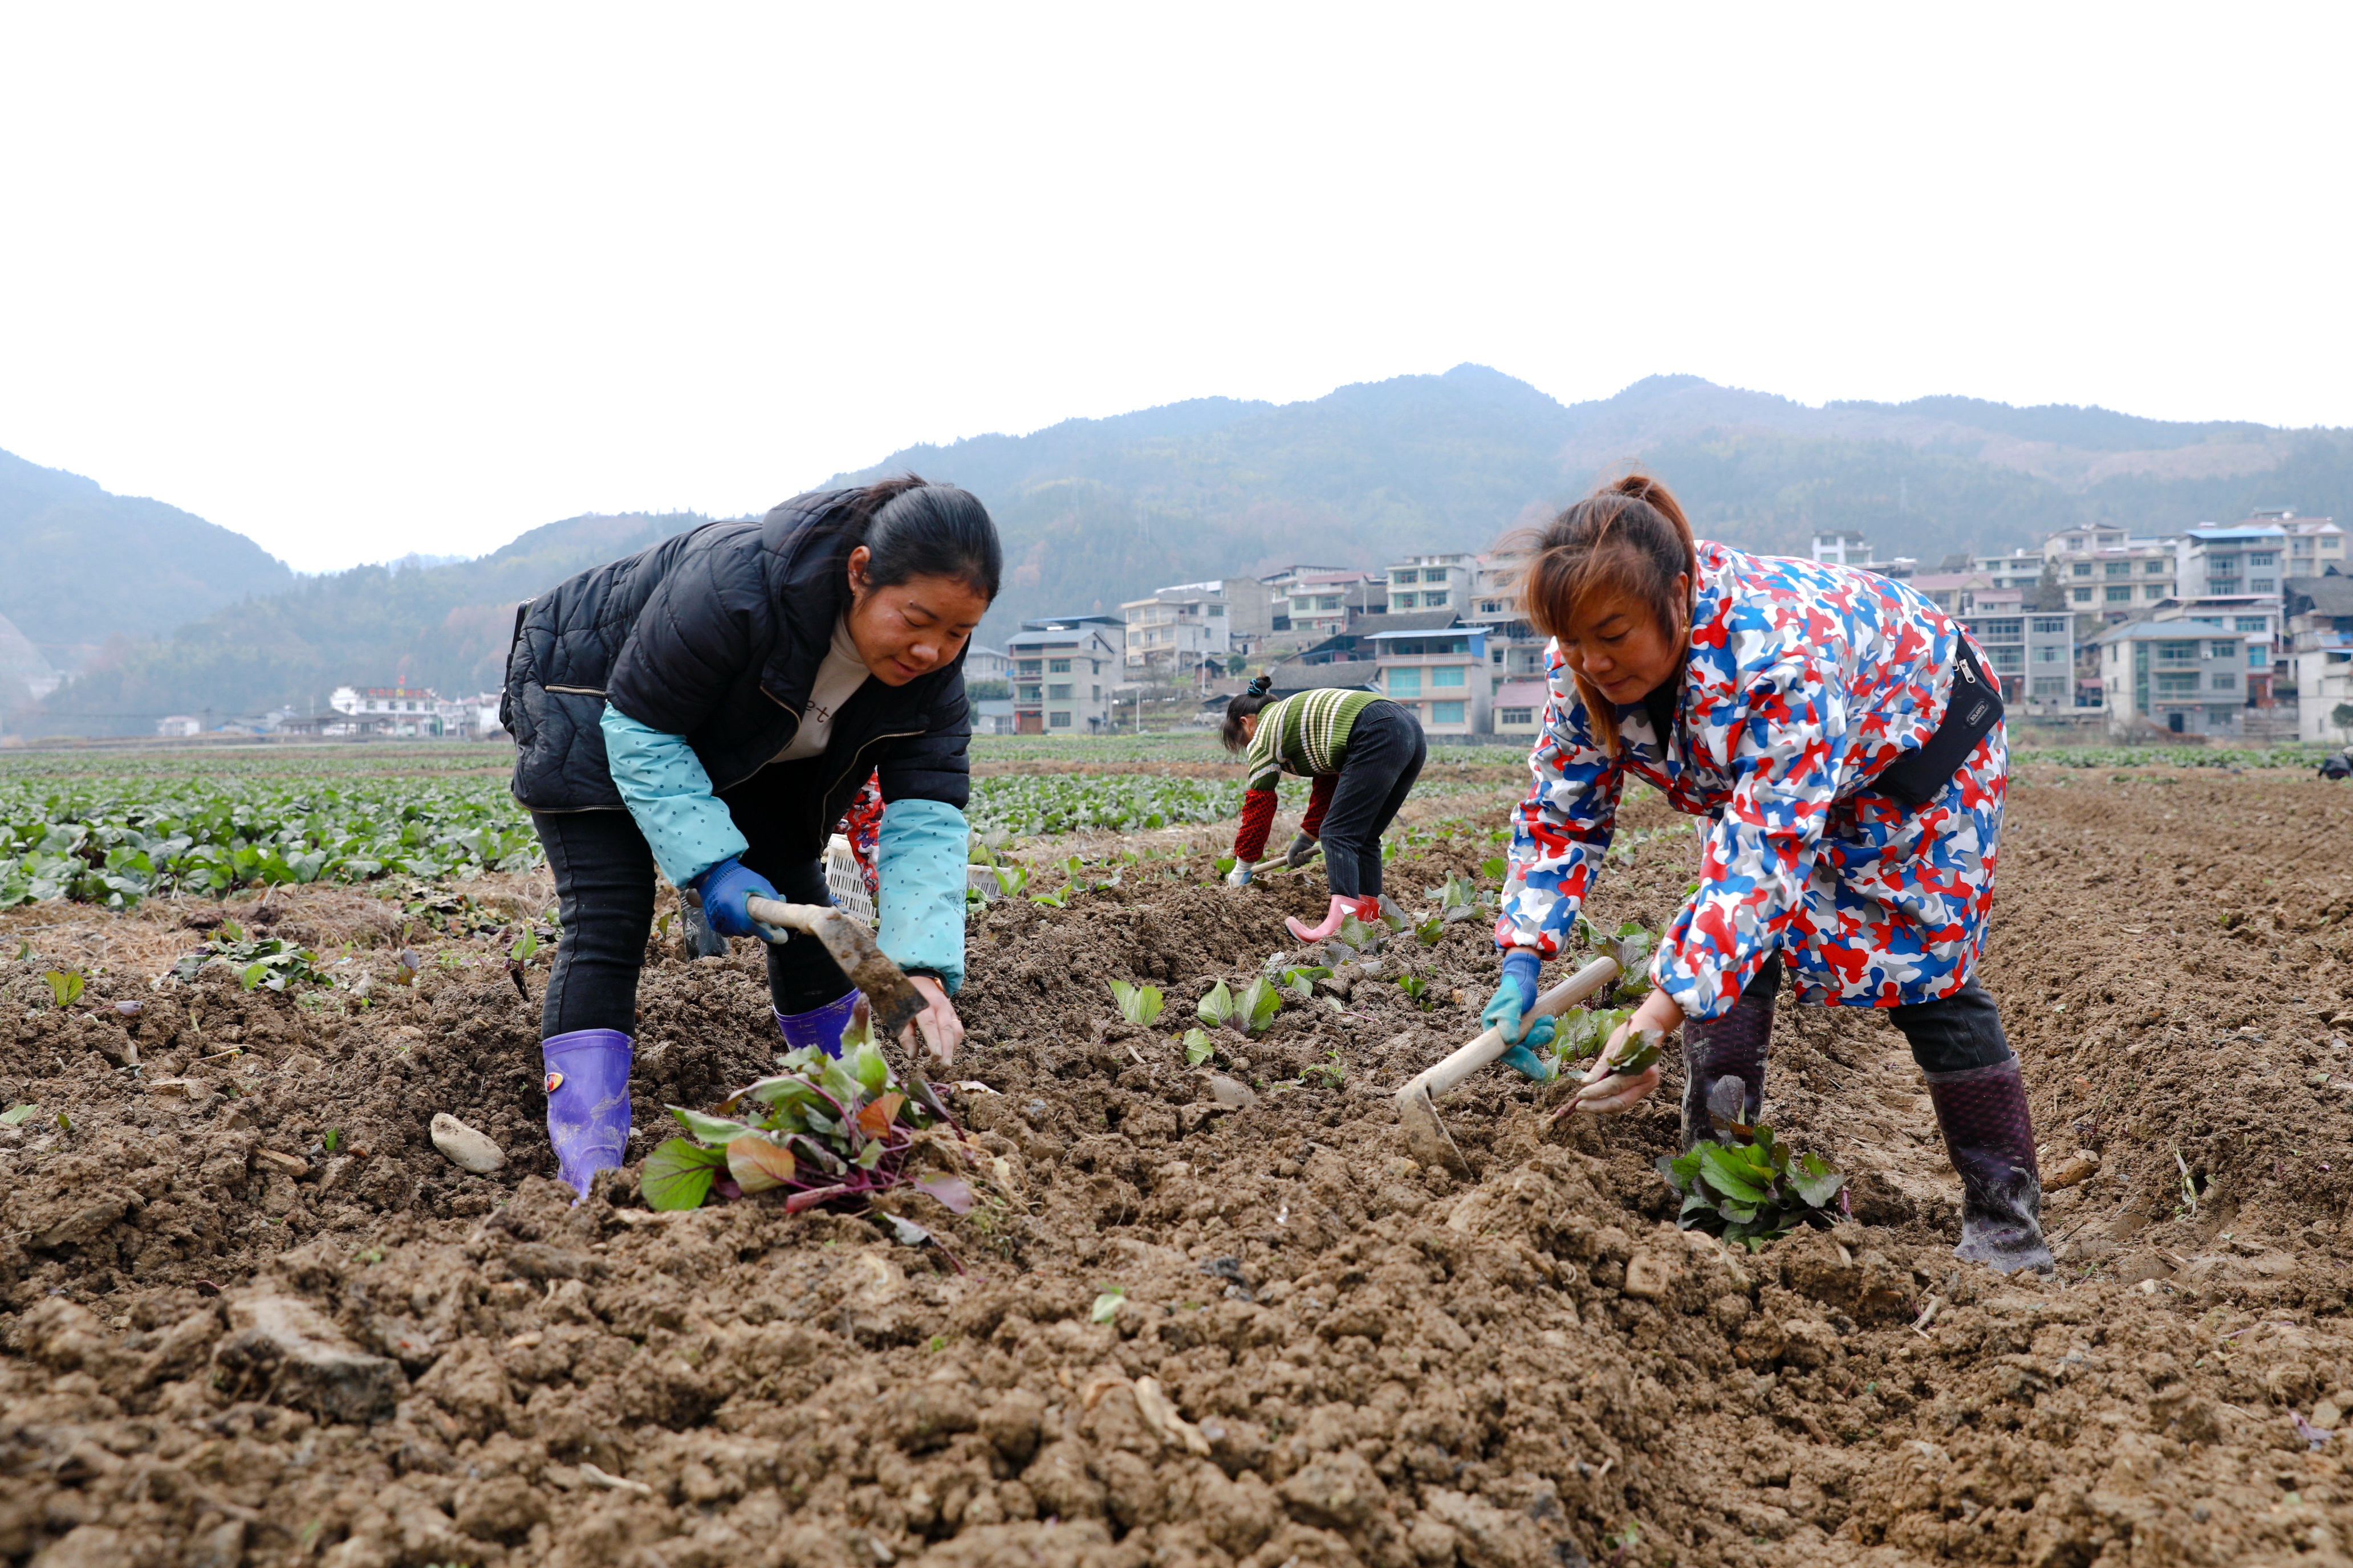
(444, 626)
(79, 565)
(1097, 510)
(1094, 511)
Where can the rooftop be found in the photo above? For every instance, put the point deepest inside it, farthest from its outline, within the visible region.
(1523, 694)
(2331, 596)
(1418, 623)
(1291, 676)
(2242, 532)
(2167, 631)
(1060, 623)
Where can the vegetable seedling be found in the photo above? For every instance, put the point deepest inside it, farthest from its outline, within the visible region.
(1246, 1014)
(1137, 1004)
(826, 1130)
(1197, 1047)
(1750, 1189)
(1107, 1304)
(66, 985)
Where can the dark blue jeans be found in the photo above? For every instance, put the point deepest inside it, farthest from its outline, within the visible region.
(1384, 756)
(604, 872)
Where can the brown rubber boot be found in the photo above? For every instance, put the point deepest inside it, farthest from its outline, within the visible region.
(1989, 1135)
(1724, 1063)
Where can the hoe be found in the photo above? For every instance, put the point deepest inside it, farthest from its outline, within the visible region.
(1425, 1136)
(892, 1002)
(892, 999)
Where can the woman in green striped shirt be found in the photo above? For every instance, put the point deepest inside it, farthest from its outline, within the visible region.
(1364, 753)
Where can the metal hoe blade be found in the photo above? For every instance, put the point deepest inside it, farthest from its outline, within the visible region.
(892, 999)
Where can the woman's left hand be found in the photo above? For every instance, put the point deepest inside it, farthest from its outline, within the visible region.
(1608, 1096)
(940, 1029)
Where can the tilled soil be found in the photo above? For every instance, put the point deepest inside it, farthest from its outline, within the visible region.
(253, 1317)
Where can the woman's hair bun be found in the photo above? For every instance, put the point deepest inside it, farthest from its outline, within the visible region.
(1261, 685)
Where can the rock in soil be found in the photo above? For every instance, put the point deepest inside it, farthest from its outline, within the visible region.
(466, 1149)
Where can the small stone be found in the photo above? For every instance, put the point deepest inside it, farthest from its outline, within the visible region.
(1647, 1276)
(2072, 1171)
(299, 1065)
(1231, 1094)
(338, 1169)
(2327, 1414)
(285, 1165)
(285, 1351)
(466, 1148)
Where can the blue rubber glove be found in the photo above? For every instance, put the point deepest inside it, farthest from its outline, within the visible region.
(1506, 1012)
(723, 889)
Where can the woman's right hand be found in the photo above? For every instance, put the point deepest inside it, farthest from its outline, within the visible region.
(723, 889)
(1240, 877)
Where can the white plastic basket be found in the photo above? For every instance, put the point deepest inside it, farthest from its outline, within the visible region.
(844, 883)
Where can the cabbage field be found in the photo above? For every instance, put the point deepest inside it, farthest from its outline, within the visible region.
(114, 829)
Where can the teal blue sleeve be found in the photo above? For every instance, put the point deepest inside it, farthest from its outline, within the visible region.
(668, 794)
(921, 855)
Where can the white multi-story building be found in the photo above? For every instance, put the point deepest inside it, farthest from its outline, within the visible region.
(2175, 674)
(1174, 630)
(412, 712)
(1064, 668)
(1250, 605)
(1843, 547)
(2107, 573)
(2020, 569)
(2320, 641)
(1421, 582)
(2256, 620)
(986, 663)
(2032, 654)
(2313, 544)
(2229, 563)
(1515, 650)
(1310, 602)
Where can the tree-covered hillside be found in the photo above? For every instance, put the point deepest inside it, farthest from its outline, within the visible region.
(79, 565)
(443, 626)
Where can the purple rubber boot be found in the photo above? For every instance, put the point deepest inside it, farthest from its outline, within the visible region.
(1989, 1133)
(819, 1026)
(1724, 1063)
(587, 1104)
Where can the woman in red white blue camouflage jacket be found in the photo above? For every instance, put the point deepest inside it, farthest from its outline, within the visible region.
(1841, 735)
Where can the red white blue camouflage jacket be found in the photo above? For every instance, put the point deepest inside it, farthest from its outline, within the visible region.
(1802, 682)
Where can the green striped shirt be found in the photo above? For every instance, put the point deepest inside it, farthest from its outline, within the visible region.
(1306, 734)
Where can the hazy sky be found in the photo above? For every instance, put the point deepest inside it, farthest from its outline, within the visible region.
(361, 280)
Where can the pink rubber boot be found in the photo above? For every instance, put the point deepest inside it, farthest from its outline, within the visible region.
(1366, 910)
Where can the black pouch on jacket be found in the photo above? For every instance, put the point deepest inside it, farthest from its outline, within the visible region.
(1917, 777)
